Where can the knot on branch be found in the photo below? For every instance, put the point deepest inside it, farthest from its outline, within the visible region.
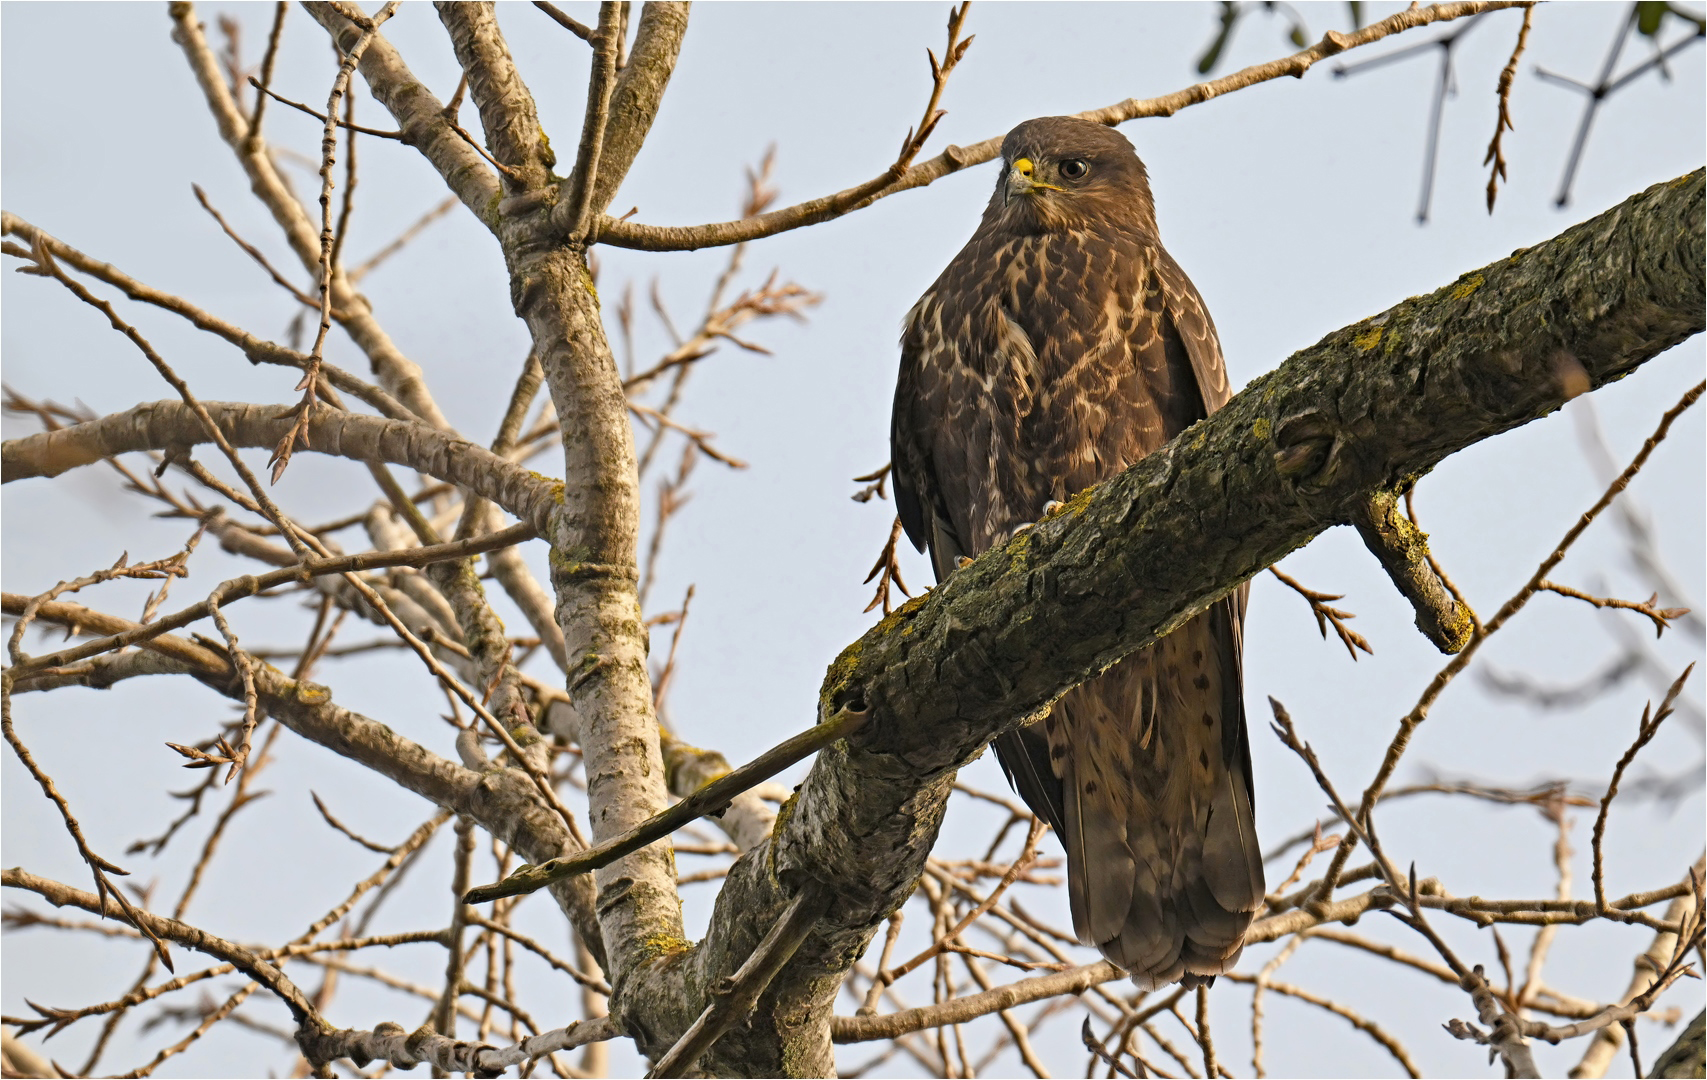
(1334, 42)
(1307, 451)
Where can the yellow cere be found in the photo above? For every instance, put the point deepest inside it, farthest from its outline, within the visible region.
(1023, 166)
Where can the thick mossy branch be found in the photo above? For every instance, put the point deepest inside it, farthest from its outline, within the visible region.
(1369, 408)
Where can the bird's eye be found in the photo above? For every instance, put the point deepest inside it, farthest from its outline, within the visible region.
(1075, 168)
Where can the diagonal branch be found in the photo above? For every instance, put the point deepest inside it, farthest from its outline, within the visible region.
(630, 234)
(709, 799)
(638, 93)
(732, 999)
(507, 112)
(849, 1029)
(1133, 558)
(563, 19)
(583, 180)
(502, 800)
(400, 376)
(171, 929)
(419, 115)
(255, 350)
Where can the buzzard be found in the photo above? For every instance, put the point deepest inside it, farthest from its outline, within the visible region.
(1060, 346)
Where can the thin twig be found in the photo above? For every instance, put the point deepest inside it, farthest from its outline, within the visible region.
(1502, 123)
(561, 18)
(708, 799)
(1661, 617)
(274, 36)
(252, 251)
(1318, 602)
(251, 700)
(445, 206)
(584, 179)
(98, 866)
(1367, 1026)
(1026, 857)
(1645, 732)
(662, 684)
(1204, 1040)
(954, 158)
(1419, 712)
(252, 585)
(320, 116)
(309, 386)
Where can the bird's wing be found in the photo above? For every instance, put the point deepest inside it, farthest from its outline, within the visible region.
(927, 398)
(1190, 320)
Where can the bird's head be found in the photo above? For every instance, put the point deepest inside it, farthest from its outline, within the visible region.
(1061, 173)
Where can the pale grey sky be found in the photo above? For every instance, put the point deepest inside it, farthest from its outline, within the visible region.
(1292, 206)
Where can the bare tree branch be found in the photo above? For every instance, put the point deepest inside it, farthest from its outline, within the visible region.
(397, 373)
(167, 425)
(638, 93)
(630, 234)
(507, 112)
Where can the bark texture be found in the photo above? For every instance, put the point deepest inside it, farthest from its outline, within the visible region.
(1369, 408)
(594, 538)
(419, 115)
(638, 92)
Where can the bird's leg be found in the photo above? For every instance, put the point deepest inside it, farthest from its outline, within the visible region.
(1048, 508)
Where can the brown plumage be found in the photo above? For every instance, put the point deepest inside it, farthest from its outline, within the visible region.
(1060, 346)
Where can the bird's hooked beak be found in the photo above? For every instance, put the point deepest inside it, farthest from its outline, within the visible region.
(1022, 180)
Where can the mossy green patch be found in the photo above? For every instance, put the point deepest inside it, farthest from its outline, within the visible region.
(1078, 505)
(1458, 631)
(910, 608)
(664, 944)
(1368, 338)
(842, 668)
(525, 735)
(1019, 548)
(783, 814)
(1261, 427)
(1467, 285)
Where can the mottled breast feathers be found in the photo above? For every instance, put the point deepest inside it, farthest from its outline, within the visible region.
(1060, 346)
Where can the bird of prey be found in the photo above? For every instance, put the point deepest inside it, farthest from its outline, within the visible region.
(1060, 346)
